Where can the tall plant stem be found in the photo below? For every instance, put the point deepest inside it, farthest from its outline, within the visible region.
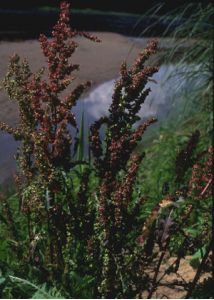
(154, 281)
(198, 273)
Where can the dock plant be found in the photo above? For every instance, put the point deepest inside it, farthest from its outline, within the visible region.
(76, 228)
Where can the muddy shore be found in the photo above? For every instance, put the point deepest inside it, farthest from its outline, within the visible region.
(98, 62)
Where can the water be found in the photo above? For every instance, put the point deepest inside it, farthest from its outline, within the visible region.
(157, 103)
(161, 102)
(7, 162)
(164, 99)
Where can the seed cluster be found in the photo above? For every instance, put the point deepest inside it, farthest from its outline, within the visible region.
(45, 156)
(201, 181)
(115, 157)
(45, 115)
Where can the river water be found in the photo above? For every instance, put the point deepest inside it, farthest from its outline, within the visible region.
(162, 101)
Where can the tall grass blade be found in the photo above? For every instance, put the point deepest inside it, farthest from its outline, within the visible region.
(80, 149)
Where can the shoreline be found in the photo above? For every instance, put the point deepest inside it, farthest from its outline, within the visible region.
(99, 62)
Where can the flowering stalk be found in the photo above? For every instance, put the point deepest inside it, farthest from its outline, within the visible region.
(44, 113)
(200, 184)
(86, 227)
(45, 116)
(114, 156)
(184, 159)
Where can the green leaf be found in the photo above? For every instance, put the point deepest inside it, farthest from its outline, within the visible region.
(195, 260)
(42, 293)
(80, 151)
(2, 280)
(31, 290)
(2, 219)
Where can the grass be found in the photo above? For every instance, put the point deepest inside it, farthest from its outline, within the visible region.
(156, 179)
(90, 11)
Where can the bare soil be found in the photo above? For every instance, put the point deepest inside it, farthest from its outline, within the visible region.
(175, 285)
(98, 62)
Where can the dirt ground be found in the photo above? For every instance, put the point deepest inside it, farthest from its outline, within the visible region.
(171, 287)
(98, 62)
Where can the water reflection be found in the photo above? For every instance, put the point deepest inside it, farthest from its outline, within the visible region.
(7, 162)
(160, 103)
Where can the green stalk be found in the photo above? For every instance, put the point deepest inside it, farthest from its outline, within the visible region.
(80, 149)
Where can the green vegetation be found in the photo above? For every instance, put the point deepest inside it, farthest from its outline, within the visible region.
(89, 11)
(95, 227)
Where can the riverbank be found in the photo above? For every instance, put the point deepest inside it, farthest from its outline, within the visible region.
(99, 62)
